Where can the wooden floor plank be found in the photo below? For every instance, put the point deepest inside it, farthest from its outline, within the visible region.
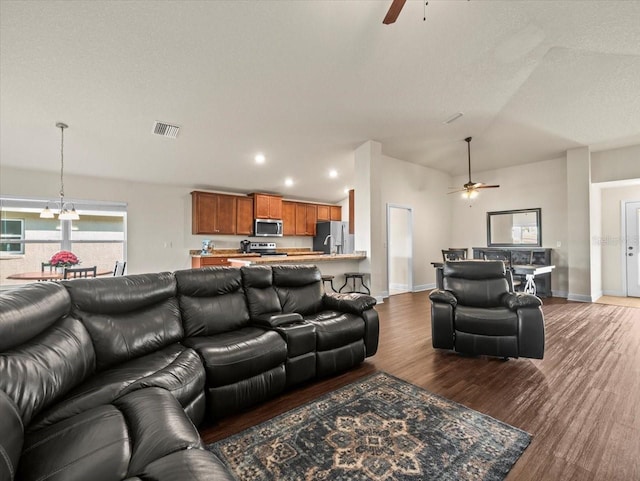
(581, 402)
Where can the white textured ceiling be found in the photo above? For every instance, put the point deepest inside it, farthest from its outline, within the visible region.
(306, 82)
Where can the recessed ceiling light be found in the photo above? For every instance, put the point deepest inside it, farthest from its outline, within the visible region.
(260, 158)
(333, 173)
(288, 181)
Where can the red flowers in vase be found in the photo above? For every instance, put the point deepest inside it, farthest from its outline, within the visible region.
(64, 259)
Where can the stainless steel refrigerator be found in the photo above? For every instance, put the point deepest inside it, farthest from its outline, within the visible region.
(333, 238)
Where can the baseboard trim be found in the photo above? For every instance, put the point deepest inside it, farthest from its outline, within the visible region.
(423, 287)
(579, 298)
(559, 294)
(614, 293)
(399, 287)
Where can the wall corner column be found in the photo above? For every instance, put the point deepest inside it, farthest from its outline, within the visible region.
(579, 224)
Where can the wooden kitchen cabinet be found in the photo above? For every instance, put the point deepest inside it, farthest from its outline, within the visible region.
(267, 206)
(213, 213)
(198, 262)
(288, 218)
(244, 219)
(336, 212)
(323, 212)
(312, 219)
(306, 218)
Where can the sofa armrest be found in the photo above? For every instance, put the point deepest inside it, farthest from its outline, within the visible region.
(353, 302)
(518, 300)
(271, 321)
(440, 295)
(11, 437)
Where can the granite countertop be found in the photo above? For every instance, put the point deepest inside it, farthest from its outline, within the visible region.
(292, 259)
(235, 253)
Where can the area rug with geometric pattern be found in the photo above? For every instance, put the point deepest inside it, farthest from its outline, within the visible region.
(378, 428)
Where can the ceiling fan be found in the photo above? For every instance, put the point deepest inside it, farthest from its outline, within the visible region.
(470, 189)
(394, 11)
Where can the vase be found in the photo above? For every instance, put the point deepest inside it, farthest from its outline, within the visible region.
(60, 270)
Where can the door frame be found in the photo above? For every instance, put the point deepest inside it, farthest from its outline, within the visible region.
(623, 244)
(410, 257)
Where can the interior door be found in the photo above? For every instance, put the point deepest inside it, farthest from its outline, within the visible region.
(632, 248)
(399, 249)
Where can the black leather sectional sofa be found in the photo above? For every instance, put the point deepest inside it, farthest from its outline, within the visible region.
(106, 379)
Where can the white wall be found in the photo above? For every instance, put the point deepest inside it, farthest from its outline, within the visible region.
(615, 164)
(159, 216)
(538, 184)
(425, 191)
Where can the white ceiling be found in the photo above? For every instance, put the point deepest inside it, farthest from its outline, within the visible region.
(306, 82)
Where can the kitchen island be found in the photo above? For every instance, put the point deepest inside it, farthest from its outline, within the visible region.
(295, 259)
(329, 264)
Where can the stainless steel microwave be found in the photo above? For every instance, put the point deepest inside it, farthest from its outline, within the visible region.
(267, 228)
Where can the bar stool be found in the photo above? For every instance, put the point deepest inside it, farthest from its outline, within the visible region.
(353, 276)
(329, 279)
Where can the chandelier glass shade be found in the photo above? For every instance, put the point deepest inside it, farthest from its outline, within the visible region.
(66, 210)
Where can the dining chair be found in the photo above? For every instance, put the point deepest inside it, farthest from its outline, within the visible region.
(77, 272)
(118, 270)
(463, 251)
(454, 254)
(43, 265)
(504, 256)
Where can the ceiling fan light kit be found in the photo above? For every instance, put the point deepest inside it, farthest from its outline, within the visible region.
(470, 189)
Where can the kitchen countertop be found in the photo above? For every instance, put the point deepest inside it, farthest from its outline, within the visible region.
(235, 253)
(293, 259)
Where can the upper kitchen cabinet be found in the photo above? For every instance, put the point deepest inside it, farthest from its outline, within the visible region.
(336, 212)
(306, 218)
(324, 212)
(213, 213)
(288, 218)
(244, 222)
(267, 206)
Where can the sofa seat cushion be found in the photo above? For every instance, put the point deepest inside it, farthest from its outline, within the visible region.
(176, 368)
(495, 321)
(233, 356)
(110, 442)
(336, 329)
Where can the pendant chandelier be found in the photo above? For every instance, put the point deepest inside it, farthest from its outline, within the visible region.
(63, 208)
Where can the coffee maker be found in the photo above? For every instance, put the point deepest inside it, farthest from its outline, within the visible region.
(245, 246)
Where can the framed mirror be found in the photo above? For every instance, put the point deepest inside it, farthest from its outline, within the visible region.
(514, 228)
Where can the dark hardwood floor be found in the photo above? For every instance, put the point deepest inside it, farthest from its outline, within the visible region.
(581, 402)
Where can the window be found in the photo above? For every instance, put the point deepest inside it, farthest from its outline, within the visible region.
(98, 238)
(12, 229)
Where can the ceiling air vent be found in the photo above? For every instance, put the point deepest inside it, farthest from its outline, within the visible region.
(166, 130)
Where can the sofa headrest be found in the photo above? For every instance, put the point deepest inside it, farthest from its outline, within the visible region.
(117, 295)
(259, 277)
(208, 281)
(27, 311)
(474, 269)
(296, 275)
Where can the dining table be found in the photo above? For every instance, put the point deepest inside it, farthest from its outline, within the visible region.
(48, 276)
(530, 271)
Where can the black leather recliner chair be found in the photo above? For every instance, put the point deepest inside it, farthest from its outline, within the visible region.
(477, 312)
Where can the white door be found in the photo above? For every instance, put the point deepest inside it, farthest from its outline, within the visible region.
(633, 248)
(399, 249)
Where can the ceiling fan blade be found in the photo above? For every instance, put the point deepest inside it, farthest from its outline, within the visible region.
(456, 191)
(487, 186)
(394, 11)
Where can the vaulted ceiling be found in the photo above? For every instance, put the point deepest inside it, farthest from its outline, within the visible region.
(306, 82)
